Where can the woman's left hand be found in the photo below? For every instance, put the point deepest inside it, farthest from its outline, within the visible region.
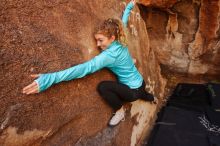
(133, 1)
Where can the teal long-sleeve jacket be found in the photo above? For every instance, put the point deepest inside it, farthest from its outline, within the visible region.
(116, 58)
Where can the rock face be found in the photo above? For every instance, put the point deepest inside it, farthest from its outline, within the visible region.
(184, 34)
(47, 36)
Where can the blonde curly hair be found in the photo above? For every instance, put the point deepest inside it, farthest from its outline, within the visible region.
(112, 27)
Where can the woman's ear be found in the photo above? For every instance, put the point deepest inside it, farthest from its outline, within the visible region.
(113, 38)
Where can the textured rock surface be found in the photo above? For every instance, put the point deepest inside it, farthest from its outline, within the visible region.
(184, 34)
(46, 36)
(158, 3)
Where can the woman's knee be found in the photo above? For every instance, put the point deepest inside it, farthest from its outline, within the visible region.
(102, 86)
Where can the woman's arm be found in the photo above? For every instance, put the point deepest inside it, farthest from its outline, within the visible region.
(46, 80)
(127, 12)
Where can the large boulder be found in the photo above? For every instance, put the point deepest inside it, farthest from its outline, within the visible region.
(47, 36)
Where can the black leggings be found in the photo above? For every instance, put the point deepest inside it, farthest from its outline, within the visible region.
(115, 93)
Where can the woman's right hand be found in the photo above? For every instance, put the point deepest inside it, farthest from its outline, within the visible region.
(33, 87)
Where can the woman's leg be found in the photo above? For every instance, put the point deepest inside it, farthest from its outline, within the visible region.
(143, 94)
(115, 94)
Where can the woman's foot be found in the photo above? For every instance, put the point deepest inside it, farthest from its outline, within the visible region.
(117, 118)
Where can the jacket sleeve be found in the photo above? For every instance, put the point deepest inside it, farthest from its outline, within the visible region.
(78, 71)
(126, 13)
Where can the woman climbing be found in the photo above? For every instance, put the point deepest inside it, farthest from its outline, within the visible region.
(115, 56)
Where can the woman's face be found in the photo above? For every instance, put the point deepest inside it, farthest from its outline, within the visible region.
(102, 41)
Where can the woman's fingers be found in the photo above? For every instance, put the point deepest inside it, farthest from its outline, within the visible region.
(30, 88)
(134, 2)
(35, 75)
(33, 87)
(33, 91)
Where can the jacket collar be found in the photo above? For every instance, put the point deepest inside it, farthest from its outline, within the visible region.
(113, 44)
